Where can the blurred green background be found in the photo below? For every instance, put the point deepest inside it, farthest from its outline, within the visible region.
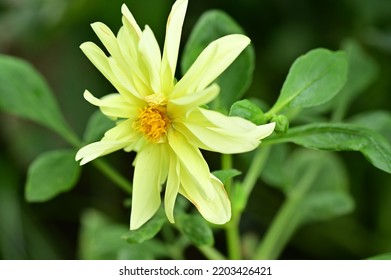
(47, 33)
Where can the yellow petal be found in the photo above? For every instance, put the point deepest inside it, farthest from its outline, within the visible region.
(172, 187)
(149, 48)
(112, 105)
(108, 39)
(216, 132)
(213, 60)
(123, 132)
(101, 62)
(171, 44)
(131, 22)
(183, 105)
(215, 207)
(98, 149)
(146, 185)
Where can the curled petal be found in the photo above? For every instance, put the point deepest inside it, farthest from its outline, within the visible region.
(216, 132)
(112, 105)
(213, 60)
(146, 185)
(215, 207)
(130, 21)
(98, 149)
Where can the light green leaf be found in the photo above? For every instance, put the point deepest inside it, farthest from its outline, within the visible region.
(50, 174)
(97, 125)
(248, 110)
(195, 228)
(342, 137)
(24, 92)
(101, 239)
(148, 230)
(237, 78)
(226, 174)
(313, 79)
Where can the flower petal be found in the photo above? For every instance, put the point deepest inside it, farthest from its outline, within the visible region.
(146, 185)
(107, 37)
(149, 48)
(213, 60)
(171, 44)
(172, 187)
(216, 132)
(112, 105)
(101, 62)
(98, 149)
(130, 21)
(183, 105)
(215, 207)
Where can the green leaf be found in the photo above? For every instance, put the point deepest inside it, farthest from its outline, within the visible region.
(97, 125)
(247, 110)
(324, 196)
(313, 79)
(101, 239)
(50, 174)
(148, 230)
(238, 76)
(379, 121)
(226, 174)
(195, 228)
(342, 137)
(24, 92)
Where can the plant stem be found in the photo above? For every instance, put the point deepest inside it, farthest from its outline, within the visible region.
(226, 163)
(211, 253)
(233, 238)
(287, 219)
(113, 175)
(257, 164)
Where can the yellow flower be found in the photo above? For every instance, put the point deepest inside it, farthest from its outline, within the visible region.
(161, 120)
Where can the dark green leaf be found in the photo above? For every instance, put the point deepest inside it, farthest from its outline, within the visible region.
(237, 78)
(247, 110)
(195, 228)
(224, 175)
(313, 79)
(97, 125)
(24, 92)
(379, 121)
(342, 137)
(50, 174)
(148, 230)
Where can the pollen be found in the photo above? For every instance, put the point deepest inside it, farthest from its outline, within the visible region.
(153, 122)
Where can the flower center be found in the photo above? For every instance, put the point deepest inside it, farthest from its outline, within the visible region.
(153, 122)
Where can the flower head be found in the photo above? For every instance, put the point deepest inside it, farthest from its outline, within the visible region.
(162, 120)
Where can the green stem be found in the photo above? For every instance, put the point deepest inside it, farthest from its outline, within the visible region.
(211, 253)
(257, 164)
(287, 219)
(113, 175)
(233, 238)
(226, 163)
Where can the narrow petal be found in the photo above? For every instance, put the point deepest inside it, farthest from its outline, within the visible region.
(112, 105)
(98, 149)
(172, 187)
(215, 207)
(213, 60)
(146, 185)
(171, 44)
(101, 62)
(107, 37)
(149, 48)
(216, 132)
(183, 105)
(123, 132)
(130, 20)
